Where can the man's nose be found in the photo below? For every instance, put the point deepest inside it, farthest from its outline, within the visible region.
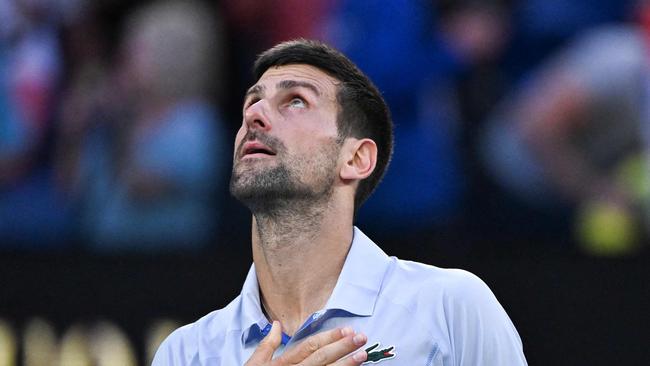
(256, 116)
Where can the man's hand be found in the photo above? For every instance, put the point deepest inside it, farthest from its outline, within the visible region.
(327, 348)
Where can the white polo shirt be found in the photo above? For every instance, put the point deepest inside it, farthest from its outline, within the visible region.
(413, 314)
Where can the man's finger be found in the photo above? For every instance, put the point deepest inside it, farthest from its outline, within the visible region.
(335, 351)
(310, 345)
(355, 359)
(264, 352)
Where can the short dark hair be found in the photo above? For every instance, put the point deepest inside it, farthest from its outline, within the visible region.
(363, 112)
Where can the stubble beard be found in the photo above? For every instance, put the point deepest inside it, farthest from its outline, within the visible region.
(279, 189)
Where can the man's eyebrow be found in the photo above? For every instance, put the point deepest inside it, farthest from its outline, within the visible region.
(255, 90)
(288, 84)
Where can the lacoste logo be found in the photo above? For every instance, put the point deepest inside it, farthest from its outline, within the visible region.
(380, 355)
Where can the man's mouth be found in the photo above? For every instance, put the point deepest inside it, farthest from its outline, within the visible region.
(256, 149)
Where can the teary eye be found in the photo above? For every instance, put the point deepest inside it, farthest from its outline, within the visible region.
(297, 102)
(250, 102)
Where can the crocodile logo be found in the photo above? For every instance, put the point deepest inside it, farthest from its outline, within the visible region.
(379, 355)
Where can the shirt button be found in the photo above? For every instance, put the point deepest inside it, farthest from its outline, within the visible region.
(266, 329)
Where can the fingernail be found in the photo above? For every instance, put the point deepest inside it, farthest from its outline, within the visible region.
(276, 324)
(359, 339)
(359, 356)
(347, 331)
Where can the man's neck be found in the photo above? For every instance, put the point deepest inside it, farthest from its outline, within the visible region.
(298, 255)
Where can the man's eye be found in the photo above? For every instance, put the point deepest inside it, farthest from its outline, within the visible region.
(297, 103)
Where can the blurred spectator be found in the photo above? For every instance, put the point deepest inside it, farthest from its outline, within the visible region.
(31, 70)
(141, 148)
(478, 31)
(31, 211)
(573, 137)
(90, 97)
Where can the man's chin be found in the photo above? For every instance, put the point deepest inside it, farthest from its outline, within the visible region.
(257, 188)
(259, 198)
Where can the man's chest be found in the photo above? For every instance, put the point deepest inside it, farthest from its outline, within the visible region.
(395, 342)
(390, 342)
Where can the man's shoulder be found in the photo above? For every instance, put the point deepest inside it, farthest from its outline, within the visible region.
(183, 345)
(449, 279)
(437, 285)
(463, 306)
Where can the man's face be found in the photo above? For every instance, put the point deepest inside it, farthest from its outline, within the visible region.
(288, 145)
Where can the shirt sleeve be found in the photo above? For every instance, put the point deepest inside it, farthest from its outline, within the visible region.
(481, 333)
(178, 349)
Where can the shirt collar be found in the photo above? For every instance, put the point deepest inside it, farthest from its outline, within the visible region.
(251, 308)
(360, 280)
(356, 290)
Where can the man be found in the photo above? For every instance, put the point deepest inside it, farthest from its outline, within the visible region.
(315, 140)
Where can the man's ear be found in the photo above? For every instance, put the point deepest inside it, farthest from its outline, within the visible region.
(360, 159)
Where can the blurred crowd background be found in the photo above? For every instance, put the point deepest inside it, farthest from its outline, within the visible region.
(522, 152)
